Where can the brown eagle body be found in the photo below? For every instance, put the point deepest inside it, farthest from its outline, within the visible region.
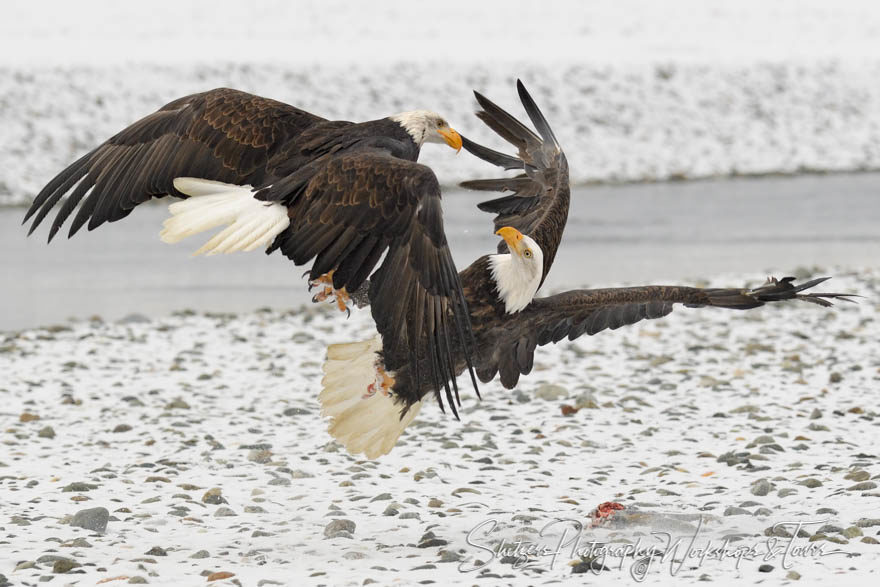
(538, 206)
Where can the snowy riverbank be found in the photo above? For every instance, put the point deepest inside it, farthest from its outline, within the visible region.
(748, 419)
(626, 122)
(636, 91)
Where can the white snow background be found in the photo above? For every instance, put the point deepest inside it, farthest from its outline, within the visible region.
(748, 419)
(636, 91)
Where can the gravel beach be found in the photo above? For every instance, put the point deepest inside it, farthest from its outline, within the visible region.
(190, 449)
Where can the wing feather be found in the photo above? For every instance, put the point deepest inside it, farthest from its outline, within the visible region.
(578, 312)
(540, 197)
(359, 205)
(222, 135)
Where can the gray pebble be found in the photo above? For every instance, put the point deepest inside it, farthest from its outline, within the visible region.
(121, 428)
(863, 486)
(521, 397)
(258, 446)
(765, 568)
(761, 487)
(137, 579)
(551, 392)
(852, 532)
(260, 456)
(735, 511)
(449, 556)
(200, 554)
(213, 497)
(339, 525)
(94, 519)
(254, 509)
(829, 529)
(51, 558)
(78, 486)
(296, 412)
(46, 432)
(224, 512)
(177, 404)
(64, 566)
(382, 497)
(811, 483)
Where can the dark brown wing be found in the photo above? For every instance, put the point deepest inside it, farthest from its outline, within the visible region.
(574, 313)
(538, 206)
(352, 210)
(223, 135)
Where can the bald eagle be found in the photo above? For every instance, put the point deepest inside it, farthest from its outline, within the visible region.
(349, 197)
(508, 321)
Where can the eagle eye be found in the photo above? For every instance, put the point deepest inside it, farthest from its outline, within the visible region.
(527, 254)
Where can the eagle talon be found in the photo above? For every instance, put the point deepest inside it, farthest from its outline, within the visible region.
(339, 296)
(382, 384)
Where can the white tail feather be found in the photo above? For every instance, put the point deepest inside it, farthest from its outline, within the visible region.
(252, 223)
(363, 423)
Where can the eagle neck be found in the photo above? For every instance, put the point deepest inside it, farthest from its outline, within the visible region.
(515, 285)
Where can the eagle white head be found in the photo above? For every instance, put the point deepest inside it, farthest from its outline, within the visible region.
(425, 126)
(517, 274)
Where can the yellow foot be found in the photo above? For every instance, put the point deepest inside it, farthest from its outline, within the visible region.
(339, 296)
(382, 384)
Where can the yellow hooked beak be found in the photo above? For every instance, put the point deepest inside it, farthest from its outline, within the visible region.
(452, 138)
(512, 237)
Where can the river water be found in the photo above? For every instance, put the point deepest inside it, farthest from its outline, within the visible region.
(636, 234)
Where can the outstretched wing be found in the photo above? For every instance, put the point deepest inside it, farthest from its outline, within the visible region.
(539, 203)
(574, 313)
(352, 210)
(223, 135)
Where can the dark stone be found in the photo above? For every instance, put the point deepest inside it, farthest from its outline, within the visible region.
(78, 486)
(94, 519)
(339, 525)
(64, 565)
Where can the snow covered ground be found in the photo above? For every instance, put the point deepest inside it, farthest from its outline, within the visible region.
(635, 90)
(189, 448)
(201, 436)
